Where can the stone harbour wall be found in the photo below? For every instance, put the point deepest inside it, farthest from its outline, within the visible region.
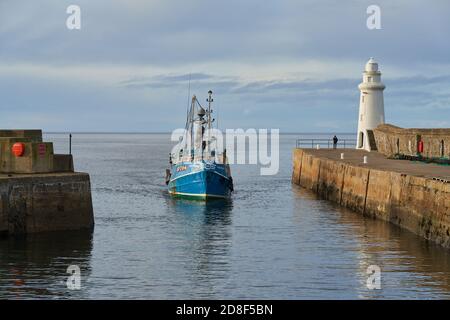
(418, 204)
(45, 202)
(391, 140)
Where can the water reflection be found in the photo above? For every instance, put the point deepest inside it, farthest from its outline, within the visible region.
(35, 266)
(206, 229)
(404, 258)
(411, 267)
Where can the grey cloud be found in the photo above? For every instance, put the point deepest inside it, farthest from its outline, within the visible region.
(177, 32)
(163, 81)
(293, 106)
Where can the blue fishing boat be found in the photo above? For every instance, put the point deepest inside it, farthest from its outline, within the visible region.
(197, 169)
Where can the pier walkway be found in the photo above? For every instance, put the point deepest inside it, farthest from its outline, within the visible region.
(379, 161)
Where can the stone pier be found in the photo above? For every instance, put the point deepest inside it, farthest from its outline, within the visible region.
(414, 196)
(39, 190)
(45, 202)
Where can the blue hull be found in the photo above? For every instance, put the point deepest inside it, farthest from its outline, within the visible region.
(200, 181)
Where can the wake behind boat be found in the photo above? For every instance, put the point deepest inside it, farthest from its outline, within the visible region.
(197, 170)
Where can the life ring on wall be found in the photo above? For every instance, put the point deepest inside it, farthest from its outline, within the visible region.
(18, 149)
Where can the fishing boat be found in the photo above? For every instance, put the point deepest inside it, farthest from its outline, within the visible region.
(197, 168)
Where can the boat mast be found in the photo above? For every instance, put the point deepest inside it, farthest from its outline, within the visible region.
(191, 127)
(209, 100)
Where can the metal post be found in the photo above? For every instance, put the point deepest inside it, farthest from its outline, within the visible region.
(70, 143)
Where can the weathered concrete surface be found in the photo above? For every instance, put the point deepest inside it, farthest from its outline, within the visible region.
(63, 163)
(45, 202)
(414, 196)
(38, 156)
(390, 140)
(34, 135)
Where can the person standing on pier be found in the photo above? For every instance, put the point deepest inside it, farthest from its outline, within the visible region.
(335, 141)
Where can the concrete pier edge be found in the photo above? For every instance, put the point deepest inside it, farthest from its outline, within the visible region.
(32, 203)
(39, 190)
(420, 204)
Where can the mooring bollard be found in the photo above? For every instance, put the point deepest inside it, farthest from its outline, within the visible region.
(365, 160)
(342, 156)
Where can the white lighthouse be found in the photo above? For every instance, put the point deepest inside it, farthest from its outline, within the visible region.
(371, 105)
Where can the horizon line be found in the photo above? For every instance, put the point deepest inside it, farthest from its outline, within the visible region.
(168, 132)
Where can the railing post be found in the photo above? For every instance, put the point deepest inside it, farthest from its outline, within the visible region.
(70, 143)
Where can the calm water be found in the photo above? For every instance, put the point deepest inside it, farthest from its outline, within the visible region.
(273, 240)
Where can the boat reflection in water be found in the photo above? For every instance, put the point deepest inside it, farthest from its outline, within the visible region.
(35, 266)
(204, 230)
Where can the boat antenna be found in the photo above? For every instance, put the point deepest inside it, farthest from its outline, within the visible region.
(189, 97)
(209, 100)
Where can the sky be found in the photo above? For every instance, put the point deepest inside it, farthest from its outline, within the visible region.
(287, 64)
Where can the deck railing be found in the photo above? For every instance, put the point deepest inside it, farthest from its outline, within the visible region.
(218, 158)
(325, 143)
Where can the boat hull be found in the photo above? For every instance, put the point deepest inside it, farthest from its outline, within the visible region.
(200, 181)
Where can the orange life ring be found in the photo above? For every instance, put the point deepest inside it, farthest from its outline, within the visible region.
(18, 149)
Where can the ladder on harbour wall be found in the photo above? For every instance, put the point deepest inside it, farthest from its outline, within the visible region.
(325, 143)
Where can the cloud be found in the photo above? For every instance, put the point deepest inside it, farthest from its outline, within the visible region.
(164, 80)
(174, 33)
(289, 64)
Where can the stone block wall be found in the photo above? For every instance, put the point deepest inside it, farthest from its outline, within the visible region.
(45, 202)
(63, 163)
(38, 156)
(30, 135)
(391, 140)
(417, 204)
